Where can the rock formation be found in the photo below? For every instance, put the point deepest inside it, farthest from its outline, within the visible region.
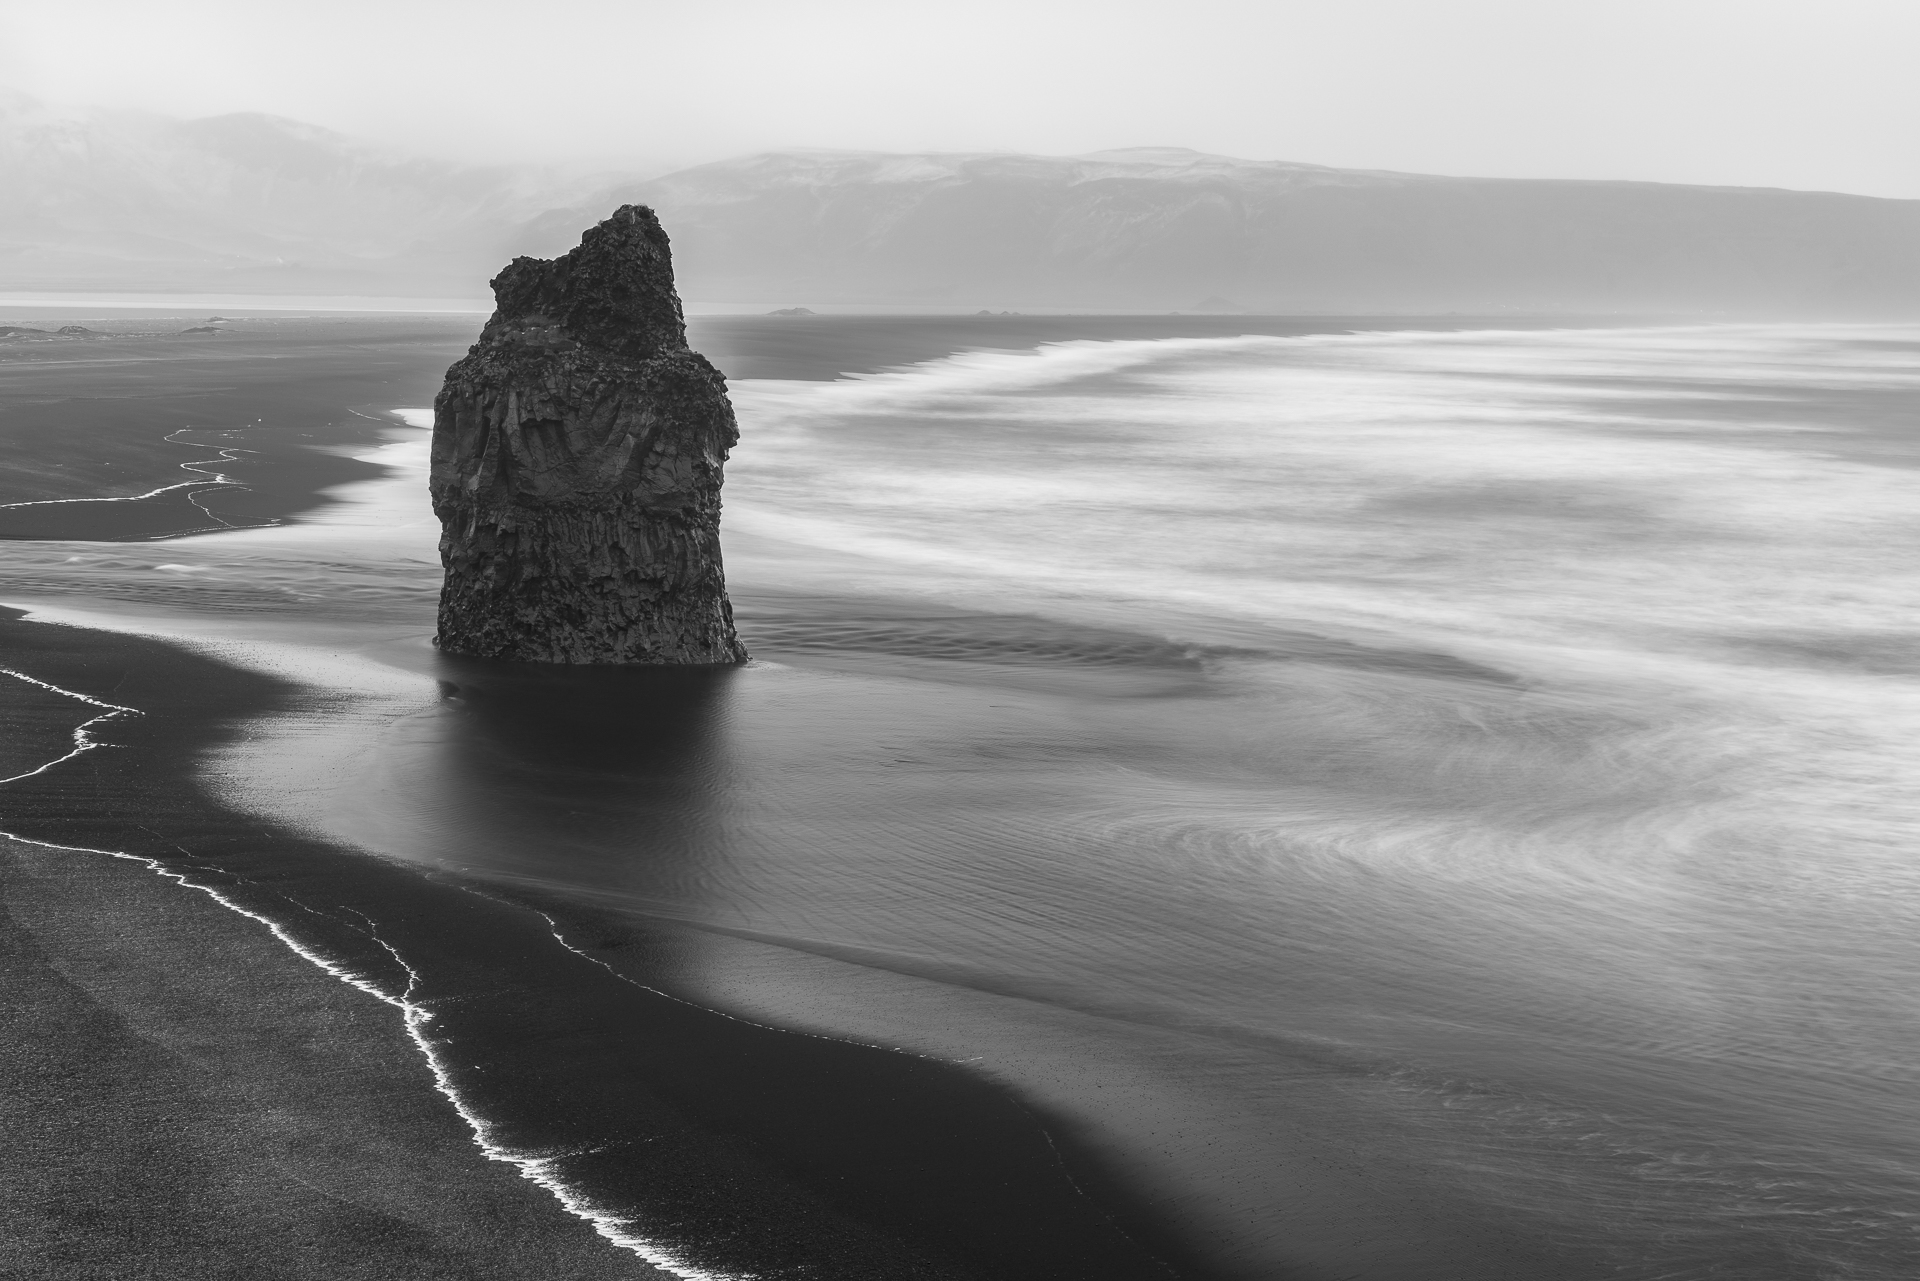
(577, 453)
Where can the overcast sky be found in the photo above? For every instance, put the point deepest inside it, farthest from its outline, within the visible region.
(1792, 93)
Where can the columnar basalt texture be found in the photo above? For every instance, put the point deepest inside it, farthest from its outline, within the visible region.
(577, 454)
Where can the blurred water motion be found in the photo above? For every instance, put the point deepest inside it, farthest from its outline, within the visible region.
(1450, 793)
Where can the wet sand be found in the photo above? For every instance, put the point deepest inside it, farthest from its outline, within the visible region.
(289, 401)
(269, 413)
(725, 1142)
(186, 1098)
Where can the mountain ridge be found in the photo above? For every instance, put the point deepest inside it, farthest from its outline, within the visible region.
(135, 200)
(1160, 227)
(250, 203)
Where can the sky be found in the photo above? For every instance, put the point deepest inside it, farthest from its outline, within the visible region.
(1815, 94)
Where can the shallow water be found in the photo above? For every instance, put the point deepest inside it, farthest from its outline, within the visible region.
(1424, 805)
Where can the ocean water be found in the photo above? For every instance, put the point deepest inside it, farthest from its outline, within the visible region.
(1422, 804)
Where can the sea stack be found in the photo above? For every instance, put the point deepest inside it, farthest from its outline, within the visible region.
(577, 454)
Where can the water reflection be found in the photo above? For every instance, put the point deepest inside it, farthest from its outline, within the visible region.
(608, 799)
(594, 778)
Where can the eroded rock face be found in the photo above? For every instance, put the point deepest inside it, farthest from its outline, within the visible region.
(577, 453)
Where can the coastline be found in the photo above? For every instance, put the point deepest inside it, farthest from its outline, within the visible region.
(713, 1146)
(985, 1143)
(939, 827)
(187, 1097)
(139, 437)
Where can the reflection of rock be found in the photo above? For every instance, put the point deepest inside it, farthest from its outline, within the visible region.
(201, 329)
(577, 454)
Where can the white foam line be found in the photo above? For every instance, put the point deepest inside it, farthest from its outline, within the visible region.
(128, 498)
(227, 455)
(83, 741)
(194, 488)
(1059, 1157)
(415, 1017)
(535, 1169)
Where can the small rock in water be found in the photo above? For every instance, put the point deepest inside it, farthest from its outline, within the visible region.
(577, 454)
(793, 311)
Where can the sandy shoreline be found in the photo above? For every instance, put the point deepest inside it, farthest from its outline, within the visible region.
(569, 1032)
(185, 1094)
(278, 407)
(729, 1147)
(188, 1098)
(791, 1148)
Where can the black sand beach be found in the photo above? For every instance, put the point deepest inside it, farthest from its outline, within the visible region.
(185, 1097)
(727, 1143)
(277, 404)
(794, 1153)
(811, 1153)
(1184, 818)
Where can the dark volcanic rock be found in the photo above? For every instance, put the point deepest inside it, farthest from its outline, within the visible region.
(577, 454)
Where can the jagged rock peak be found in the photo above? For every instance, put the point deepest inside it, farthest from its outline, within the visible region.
(577, 463)
(615, 291)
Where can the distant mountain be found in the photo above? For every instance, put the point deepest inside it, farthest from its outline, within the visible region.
(258, 204)
(1165, 228)
(244, 204)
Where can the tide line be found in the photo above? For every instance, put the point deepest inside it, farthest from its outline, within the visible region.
(194, 488)
(536, 1169)
(83, 739)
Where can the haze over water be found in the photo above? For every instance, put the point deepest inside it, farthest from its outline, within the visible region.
(1426, 804)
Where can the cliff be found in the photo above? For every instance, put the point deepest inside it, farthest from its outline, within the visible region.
(577, 454)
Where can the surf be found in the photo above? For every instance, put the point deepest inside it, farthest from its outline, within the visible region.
(1454, 772)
